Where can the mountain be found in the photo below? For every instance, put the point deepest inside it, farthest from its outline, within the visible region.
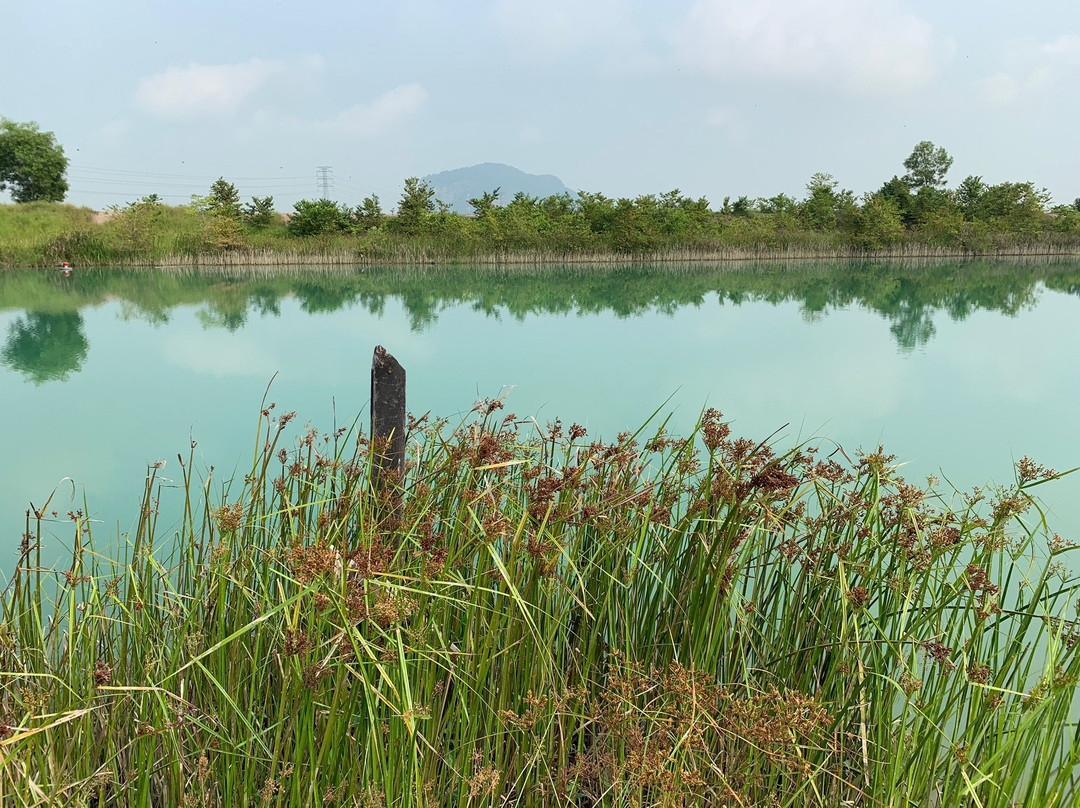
(457, 186)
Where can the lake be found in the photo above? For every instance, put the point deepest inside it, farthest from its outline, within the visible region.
(959, 368)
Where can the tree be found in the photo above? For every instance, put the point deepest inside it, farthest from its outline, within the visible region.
(898, 192)
(1018, 207)
(781, 203)
(138, 223)
(878, 223)
(819, 208)
(259, 213)
(743, 206)
(969, 196)
(597, 210)
(368, 214)
(32, 163)
(927, 166)
(316, 218)
(483, 204)
(1066, 218)
(417, 203)
(224, 199)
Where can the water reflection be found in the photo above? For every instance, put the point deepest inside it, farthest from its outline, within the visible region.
(46, 347)
(908, 296)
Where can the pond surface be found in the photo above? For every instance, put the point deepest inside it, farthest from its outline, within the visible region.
(958, 368)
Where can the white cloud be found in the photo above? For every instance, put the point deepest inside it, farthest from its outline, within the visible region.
(213, 353)
(1034, 70)
(1063, 51)
(559, 26)
(553, 30)
(868, 46)
(187, 92)
(378, 116)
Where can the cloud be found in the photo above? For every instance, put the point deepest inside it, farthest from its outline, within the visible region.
(195, 90)
(551, 31)
(1034, 70)
(379, 115)
(214, 354)
(863, 46)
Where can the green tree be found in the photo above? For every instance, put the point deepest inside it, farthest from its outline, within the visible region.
(368, 214)
(483, 204)
(1017, 207)
(929, 203)
(317, 218)
(1066, 219)
(597, 210)
(878, 223)
(819, 209)
(633, 230)
(417, 203)
(969, 196)
(743, 206)
(927, 166)
(138, 224)
(898, 192)
(781, 203)
(259, 213)
(224, 199)
(32, 163)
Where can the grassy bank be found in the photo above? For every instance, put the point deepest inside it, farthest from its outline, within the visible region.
(543, 621)
(144, 234)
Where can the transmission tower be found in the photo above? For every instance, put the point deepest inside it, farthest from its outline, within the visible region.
(324, 181)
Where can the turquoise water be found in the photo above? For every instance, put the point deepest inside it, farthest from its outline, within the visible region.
(959, 369)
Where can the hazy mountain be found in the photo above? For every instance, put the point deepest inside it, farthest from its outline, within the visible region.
(457, 186)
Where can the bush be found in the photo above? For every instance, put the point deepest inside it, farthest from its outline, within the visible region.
(317, 218)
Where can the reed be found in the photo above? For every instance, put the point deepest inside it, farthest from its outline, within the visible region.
(541, 620)
(406, 254)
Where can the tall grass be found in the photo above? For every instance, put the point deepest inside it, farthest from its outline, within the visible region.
(44, 234)
(545, 621)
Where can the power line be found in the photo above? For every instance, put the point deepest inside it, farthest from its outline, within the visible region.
(193, 185)
(365, 189)
(174, 176)
(114, 193)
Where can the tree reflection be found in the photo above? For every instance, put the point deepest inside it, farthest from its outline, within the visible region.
(910, 297)
(46, 347)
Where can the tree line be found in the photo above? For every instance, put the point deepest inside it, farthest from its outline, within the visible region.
(915, 206)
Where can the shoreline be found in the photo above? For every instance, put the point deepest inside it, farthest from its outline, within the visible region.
(278, 258)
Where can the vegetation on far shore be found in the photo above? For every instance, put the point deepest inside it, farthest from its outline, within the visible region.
(913, 214)
(544, 621)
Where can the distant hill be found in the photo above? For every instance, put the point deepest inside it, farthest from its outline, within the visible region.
(457, 186)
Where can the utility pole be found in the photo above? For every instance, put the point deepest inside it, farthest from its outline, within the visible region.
(324, 181)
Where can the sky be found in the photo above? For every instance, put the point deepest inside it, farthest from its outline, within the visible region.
(714, 97)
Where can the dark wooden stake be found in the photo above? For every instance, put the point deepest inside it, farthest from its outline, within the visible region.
(387, 417)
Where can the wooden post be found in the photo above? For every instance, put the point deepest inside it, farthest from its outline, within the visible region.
(387, 417)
